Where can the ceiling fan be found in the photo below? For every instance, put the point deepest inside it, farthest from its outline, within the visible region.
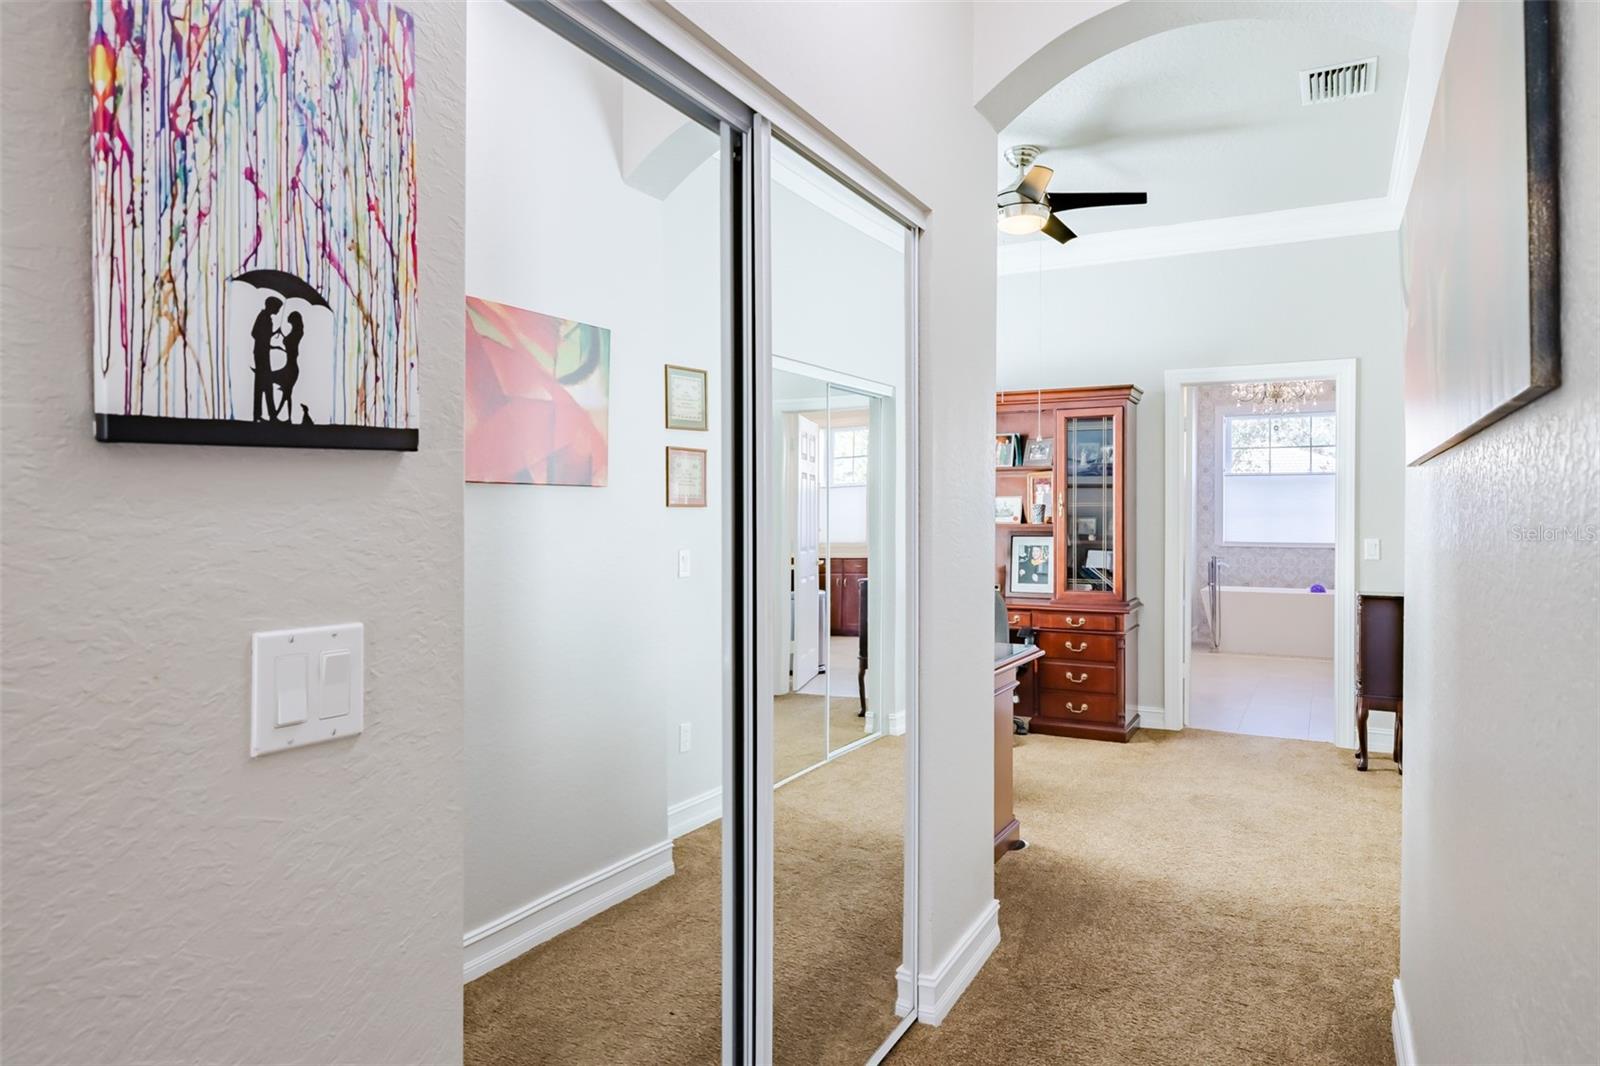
(1028, 207)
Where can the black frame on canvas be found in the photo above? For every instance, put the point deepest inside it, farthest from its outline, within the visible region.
(154, 429)
(1544, 159)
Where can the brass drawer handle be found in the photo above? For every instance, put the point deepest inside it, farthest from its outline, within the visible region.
(1077, 680)
(1079, 624)
(1081, 647)
(1076, 709)
(1016, 618)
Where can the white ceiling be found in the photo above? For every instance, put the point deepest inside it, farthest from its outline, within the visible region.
(1207, 119)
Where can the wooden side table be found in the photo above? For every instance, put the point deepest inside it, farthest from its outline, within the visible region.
(1380, 655)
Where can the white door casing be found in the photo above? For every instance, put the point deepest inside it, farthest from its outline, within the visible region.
(807, 601)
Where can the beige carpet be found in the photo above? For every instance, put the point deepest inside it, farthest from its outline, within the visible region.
(1188, 898)
(797, 735)
(640, 982)
(1193, 897)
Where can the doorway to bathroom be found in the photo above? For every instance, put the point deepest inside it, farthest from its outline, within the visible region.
(1260, 600)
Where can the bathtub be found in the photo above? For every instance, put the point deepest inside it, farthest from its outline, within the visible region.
(1265, 621)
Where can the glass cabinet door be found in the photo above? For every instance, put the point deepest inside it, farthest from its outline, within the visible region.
(1088, 504)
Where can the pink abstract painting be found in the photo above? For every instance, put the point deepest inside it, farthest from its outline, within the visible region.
(537, 397)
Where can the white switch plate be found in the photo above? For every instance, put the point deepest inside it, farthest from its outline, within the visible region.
(306, 686)
(1372, 548)
(683, 562)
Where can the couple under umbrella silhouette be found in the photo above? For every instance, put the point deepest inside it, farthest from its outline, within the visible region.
(266, 336)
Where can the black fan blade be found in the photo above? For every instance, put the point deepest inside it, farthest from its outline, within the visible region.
(1067, 201)
(1035, 182)
(1057, 230)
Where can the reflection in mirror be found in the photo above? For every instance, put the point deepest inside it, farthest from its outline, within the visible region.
(593, 655)
(847, 527)
(800, 703)
(840, 883)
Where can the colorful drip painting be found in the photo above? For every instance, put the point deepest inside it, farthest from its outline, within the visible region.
(254, 222)
(538, 397)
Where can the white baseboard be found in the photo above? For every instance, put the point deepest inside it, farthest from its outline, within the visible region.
(1380, 733)
(938, 991)
(1155, 718)
(688, 815)
(897, 723)
(904, 989)
(1405, 1049)
(530, 925)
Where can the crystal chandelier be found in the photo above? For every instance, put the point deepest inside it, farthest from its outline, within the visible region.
(1265, 396)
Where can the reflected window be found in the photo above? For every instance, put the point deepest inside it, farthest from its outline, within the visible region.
(850, 456)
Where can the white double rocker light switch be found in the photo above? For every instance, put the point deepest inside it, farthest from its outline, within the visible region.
(306, 686)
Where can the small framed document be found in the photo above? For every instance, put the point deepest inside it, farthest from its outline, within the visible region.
(686, 477)
(686, 398)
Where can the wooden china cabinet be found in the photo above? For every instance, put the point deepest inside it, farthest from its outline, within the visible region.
(1072, 591)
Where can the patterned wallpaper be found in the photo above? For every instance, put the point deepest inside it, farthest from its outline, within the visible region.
(1252, 567)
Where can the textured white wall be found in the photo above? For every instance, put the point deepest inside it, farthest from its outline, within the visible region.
(584, 649)
(1131, 322)
(884, 77)
(167, 898)
(1499, 936)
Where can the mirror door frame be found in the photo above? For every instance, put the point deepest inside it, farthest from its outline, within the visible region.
(660, 52)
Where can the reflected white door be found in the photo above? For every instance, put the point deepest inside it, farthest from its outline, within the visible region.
(807, 602)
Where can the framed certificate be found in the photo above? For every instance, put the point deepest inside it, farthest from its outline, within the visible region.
(686, 477)
(686, 398)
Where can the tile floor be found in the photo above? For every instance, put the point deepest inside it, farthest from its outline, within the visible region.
(1264, 695)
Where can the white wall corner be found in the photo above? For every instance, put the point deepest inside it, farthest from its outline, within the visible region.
(686, 816)
(530, 925)
(1405, 1049)
(938, 990)
(1156, 718)
(905, 992)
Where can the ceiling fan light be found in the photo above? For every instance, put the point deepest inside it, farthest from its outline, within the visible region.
(1021, 219)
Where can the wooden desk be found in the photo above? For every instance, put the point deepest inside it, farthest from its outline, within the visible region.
(1009, 659)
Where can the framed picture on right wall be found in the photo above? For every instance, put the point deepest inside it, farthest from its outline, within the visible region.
(1479, 260)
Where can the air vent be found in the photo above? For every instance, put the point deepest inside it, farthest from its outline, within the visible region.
(1338, 83)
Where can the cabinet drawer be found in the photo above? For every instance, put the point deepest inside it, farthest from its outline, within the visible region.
(1078, 677)
(1019, 619)
(1079, 707)
(1104, 623)
(1097, 649)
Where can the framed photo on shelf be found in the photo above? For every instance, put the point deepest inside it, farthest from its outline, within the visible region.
(1041, 497)
(1008, 449)
(1007, 509)
(1032, 569)
(1041, 452)
(685, 397)
(1088, 528)
(686, 477)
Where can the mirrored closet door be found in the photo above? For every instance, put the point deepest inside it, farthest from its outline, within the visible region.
(602, 517)
(841, 937)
